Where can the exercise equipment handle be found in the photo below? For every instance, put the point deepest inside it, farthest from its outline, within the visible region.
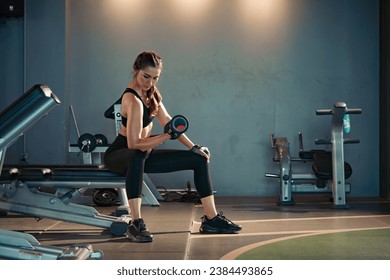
(351, 141)
(300, 139)
(272, 140)
(324, 112)
(330, 111)
(354, 111)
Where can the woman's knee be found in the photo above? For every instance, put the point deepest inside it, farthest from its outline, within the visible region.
(199, 159)
(138, 154)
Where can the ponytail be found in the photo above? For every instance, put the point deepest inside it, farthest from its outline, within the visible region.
(155, 98)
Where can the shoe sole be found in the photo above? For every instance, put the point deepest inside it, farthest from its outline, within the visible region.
(212, 230)
(139, 240)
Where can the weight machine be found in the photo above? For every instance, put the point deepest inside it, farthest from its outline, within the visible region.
(14, 121)
(329, 168)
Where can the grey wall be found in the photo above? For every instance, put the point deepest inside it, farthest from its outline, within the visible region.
(11, 69)
(46, 63)
(237, 69)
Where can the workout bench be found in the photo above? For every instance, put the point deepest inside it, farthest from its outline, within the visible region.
(88, 144)
(22, 187)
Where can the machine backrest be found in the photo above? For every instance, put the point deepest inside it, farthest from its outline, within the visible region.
(110, 112)
(25, 112)
(114, 112)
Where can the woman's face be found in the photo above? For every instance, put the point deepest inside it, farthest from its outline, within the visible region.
(148, 77)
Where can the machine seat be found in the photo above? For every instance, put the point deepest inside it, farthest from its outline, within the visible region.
(308, 155)
(322, 166)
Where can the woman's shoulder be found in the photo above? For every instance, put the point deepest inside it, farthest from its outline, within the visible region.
(129, 98)
(130, 92)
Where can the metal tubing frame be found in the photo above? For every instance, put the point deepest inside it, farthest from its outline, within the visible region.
(283, 150)
(14, 121)
(30, 201)
(298, 182)
(337, 140)
(23, 246)
(338, 155)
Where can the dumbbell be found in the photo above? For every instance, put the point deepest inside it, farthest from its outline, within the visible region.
(176, 126)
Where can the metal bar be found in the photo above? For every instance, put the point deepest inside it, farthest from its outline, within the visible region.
(74, 120)
(25, 112)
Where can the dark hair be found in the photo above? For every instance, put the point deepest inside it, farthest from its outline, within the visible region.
(150, 59)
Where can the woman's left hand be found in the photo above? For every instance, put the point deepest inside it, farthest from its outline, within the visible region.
(203, 151)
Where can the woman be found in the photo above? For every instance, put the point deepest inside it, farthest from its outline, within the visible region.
(132, 153)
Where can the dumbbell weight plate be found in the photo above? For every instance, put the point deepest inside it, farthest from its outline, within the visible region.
(180, 123)
(101, 140)
(86, 142)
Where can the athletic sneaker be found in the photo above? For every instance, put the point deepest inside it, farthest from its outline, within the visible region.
(137, 232)
(218, 224)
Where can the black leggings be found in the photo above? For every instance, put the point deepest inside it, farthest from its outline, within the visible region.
(133, 163)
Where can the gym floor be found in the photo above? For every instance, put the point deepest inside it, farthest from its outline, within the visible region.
(175, 227)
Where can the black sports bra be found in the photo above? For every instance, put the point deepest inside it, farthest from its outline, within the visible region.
(147, 117)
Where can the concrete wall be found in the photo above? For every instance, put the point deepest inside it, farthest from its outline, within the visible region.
(237, 69)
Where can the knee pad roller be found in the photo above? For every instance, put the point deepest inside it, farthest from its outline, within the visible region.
(176, 126)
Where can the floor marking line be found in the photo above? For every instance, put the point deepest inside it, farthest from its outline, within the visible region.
(188, 244)
(235, 253)
(293, 232)
(310, 219)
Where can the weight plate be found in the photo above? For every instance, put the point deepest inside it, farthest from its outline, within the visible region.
(101, 140)
(180, 123)
(105, 197)
(86, 142)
